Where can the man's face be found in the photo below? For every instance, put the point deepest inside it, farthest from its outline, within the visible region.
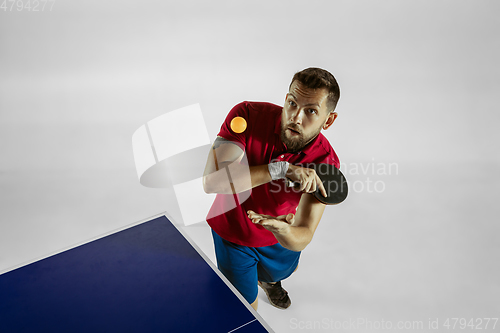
(304, 115)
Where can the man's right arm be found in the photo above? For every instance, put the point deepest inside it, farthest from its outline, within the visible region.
(226, 175)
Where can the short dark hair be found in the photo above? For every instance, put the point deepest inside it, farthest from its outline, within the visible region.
(316, 78)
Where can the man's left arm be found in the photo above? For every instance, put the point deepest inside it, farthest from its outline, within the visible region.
(293, 232)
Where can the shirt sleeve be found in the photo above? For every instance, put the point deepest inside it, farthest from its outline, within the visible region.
(239, 110)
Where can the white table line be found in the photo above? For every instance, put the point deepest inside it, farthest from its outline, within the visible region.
(237, 328)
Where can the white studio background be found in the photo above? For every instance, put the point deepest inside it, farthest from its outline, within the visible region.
(417, 134)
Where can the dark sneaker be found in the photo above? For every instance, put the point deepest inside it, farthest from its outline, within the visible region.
(277, 296)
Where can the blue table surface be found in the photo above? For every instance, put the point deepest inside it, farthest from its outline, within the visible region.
(147, 278)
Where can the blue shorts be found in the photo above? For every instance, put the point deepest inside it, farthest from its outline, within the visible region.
(243, 266)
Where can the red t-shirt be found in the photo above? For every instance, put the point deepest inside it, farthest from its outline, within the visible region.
(262, 145)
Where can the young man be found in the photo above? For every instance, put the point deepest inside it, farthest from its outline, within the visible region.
(260, 225)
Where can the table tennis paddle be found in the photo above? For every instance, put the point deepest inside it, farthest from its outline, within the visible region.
(334, 183)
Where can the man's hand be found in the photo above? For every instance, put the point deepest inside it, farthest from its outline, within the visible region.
(279, 224)
(308, 179)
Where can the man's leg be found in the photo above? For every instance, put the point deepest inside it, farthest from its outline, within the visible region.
(276, 263)
(279, 297)
(293, 272)
(255, 304)
(239, 266)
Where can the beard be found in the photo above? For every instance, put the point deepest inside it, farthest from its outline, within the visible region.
(295, 143)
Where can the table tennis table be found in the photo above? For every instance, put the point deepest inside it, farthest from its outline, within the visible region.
(148, 277)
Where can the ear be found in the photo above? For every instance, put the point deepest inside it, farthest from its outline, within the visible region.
(330, 119)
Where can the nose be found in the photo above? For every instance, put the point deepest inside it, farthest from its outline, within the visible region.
(296, 117)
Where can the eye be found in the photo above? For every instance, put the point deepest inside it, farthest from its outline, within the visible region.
(312, 111)
(292, 103)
